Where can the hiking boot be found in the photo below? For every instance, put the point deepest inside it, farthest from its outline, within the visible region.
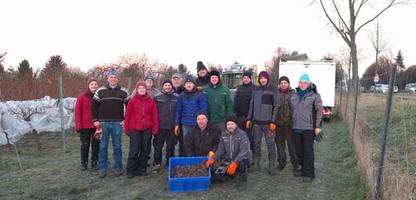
(102, 174)
(130, 175)
(307, 179)
(83, 166)
(118, 172)
(142, 172)
(156, 168)
(281, 166)
(94, 165)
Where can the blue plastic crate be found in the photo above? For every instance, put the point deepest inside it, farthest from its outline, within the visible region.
(187, 184)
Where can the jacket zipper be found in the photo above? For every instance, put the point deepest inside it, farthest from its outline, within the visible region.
(231, 147)
(143, 115)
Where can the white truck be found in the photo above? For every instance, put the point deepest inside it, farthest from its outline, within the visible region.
(321, 73)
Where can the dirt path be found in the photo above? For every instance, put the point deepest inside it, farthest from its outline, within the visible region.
(49, 176)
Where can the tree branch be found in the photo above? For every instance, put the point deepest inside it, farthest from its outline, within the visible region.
(339, 15)
(343, 35)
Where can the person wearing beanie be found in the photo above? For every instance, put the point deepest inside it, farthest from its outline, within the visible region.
(166, 105)
(262, 117)
(233, 150)
(305, 102)
(190, 102)
(108, 112)
(203, 76)
(241, 100)
(177, 83)
(285, 132)
(203, 139)
(84, 125)
(220, 104)
(140, 124)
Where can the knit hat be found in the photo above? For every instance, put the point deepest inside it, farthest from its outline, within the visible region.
(304, 77)
(149, 77)
(200, 66)
(167, 81)
(247, 73)
(189, 78)
(232, 118)
(214, 73)
(112, 72)
(202, 113)
(263, 74)
(140, 83)
(284, 78)
(91, 80)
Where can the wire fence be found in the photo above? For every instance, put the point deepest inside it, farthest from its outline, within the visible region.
(390, 172)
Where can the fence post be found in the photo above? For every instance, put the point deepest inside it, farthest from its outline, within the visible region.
(61, 112)
(386, 126)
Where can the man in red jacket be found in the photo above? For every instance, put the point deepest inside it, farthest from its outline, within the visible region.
(84, 125)
(140, 123)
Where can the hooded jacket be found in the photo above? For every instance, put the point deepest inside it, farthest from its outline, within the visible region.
(166, 106)
(187, 107)
(83, 111)
(220, 105)
(141, 114)
(233, 147)
(264, 104)
(307, 110)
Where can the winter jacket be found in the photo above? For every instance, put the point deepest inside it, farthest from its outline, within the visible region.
(153, 92)
(307, 111)
(199, 142)
(285, 112)
(242, 99)
(233, 147)
(166, 106)
(108, 104)
(188, 105)
(83, 111)
(179, 90)
(202, 81)
(141, 114)
(264, 105)
(220, 105)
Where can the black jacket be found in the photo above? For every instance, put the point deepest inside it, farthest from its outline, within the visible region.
(108, 104)
(242, 99)
(199, 143)
(178, 90)
(202, 80)
(166, 106)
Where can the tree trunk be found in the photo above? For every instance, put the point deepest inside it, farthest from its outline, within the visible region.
(355, 81)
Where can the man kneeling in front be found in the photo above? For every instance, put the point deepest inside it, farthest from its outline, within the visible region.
(232, 150)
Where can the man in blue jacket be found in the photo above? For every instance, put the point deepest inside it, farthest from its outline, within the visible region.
(190, 103)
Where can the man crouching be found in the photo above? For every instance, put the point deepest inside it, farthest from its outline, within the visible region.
(233, 150)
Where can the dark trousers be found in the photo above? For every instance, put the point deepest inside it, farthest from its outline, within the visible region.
(87, 139)
(304, 150)
(285, 134)
(139, 150)
(165, 135)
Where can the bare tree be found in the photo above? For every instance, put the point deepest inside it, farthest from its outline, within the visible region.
(344, 18)
(378, 41)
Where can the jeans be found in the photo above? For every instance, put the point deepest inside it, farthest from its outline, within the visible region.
(181, 139)
(112, 129)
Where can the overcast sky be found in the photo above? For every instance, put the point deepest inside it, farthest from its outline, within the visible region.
(86, 33)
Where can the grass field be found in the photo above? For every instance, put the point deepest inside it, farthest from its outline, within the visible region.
(50, 175)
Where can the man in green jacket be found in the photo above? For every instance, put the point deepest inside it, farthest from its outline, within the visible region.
(220, 105)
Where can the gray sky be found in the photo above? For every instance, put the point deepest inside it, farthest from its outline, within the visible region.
(92, 32)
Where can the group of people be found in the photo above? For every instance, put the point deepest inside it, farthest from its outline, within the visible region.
(202, 117)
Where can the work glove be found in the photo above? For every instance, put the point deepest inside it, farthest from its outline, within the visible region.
(209, 162)
(177, 130)
(211, 154)
(272, 127)
(248, 124)
(319, 137)
(232, 168)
